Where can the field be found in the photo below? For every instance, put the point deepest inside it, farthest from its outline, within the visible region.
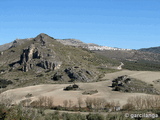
(104, 91)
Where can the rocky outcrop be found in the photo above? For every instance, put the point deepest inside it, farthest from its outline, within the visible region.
(58, 76)
(127, 84)
(73, 74)
(47, 65)
(36, 56)
(121, 81)
(27, 56)
(78, 74)
(1, 53)
(42, 39)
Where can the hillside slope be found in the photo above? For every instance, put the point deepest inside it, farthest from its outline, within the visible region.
(45, 60)
(143, 59)
(152, 49)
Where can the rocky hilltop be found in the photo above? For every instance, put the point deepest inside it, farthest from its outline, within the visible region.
(45, 60)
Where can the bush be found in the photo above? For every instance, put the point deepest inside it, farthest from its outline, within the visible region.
(117, 88)
(71, 87)
(68, 88)
(2, 112)
(54, 116)
(128, 106)
(118, 116)
(28, 95)
(4, 83)
(67, 116)
(95, 117)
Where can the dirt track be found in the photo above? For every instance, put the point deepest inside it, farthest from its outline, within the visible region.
(56, 90)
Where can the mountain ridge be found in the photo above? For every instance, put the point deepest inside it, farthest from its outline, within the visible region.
(72, 42)
(79, 43)
(151, 49)
(90, 46)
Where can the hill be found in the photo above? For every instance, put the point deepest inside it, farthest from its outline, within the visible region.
(134, 59)
(152, 49)
(45, 60)
(143, 59)
(89, 46)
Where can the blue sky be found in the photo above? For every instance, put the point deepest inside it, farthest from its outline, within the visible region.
(130, 24)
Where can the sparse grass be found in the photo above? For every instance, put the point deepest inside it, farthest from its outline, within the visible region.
(69, 55)
(141, 66)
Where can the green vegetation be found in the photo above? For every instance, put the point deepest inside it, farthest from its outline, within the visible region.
(141, 66)
(20, 113)
(152, 49)
(95, 117)
(4, 83)
(136, 105)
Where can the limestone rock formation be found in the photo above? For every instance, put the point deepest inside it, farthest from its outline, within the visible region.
(127, 84)
(27, 56)
(37, 56)
(47, 65)
(78, 74)
(33, 57)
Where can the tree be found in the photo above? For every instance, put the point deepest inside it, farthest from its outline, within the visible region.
(70, 103)
(89, 103)
(80, 102)
(50, 102)
(65, 103)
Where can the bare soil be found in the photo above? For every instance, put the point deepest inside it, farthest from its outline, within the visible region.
(104, 91)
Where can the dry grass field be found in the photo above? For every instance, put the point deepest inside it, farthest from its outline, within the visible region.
(104, 91)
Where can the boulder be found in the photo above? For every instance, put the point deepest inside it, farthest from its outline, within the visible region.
(57, 76)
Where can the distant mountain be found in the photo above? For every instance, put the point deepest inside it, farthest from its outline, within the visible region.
(152, 49)
(89, 46)
(133, 59)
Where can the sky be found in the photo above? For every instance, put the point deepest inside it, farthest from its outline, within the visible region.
(130, 24)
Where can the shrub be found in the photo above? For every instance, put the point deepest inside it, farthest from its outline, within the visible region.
(71, 87)
(128, 106)
(4, 83)
(67, 116)
(54, 116)
(95, 117)
(28, 95)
